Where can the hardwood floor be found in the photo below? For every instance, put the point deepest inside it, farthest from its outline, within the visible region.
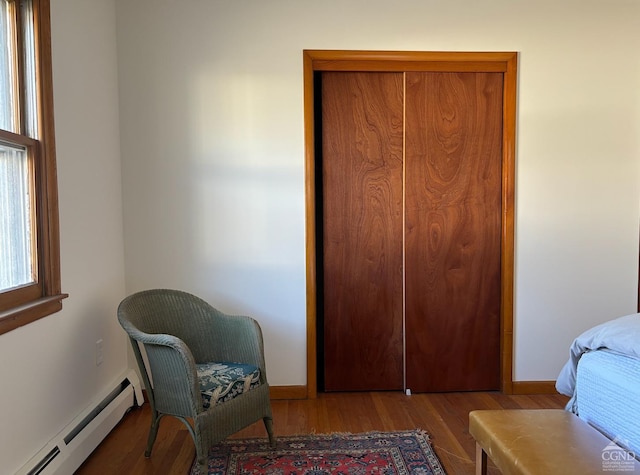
(445, 416)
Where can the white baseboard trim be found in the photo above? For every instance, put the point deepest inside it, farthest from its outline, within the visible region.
(71, 447)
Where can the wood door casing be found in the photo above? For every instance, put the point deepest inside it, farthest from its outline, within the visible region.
(362, 142)
(315, 62)
(453, 230)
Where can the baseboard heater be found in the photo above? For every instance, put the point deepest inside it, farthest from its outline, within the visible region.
(66, 452)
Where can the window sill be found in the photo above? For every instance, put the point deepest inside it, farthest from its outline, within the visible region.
(30, 312)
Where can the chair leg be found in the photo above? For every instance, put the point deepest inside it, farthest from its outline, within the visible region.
(202, 465)
(268, 424)
(153, 432)
(202, 454)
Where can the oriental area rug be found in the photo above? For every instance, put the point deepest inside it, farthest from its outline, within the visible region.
(379, 453)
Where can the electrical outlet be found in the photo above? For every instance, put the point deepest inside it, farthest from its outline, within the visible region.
(99, 352)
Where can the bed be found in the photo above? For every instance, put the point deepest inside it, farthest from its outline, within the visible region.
(602, 379)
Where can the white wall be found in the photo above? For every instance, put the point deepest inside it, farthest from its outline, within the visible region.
(48, 373)
(212, 147)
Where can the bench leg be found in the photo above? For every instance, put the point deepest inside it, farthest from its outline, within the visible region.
(481, 460)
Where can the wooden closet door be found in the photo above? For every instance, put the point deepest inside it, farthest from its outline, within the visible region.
(362, 140)
(453, 226)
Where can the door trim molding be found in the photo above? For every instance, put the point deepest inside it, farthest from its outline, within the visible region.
(339, 60)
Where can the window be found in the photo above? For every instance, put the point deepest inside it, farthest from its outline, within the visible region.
(29, 240)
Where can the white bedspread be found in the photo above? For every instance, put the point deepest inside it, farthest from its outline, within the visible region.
(621, 335)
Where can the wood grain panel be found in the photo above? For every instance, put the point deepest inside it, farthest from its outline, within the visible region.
(362, 206)
(453, 228)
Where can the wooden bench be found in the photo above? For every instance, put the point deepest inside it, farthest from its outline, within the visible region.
(545, 442)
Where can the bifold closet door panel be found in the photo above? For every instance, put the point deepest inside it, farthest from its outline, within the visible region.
(453, 230)
(362, 141)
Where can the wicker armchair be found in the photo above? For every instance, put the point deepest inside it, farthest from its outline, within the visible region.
(192, 350)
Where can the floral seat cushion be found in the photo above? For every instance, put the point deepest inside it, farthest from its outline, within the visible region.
(220, 382)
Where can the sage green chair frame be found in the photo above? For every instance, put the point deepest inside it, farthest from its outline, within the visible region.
(179, 330)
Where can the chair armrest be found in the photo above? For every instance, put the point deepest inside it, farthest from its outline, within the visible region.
(174, 383)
